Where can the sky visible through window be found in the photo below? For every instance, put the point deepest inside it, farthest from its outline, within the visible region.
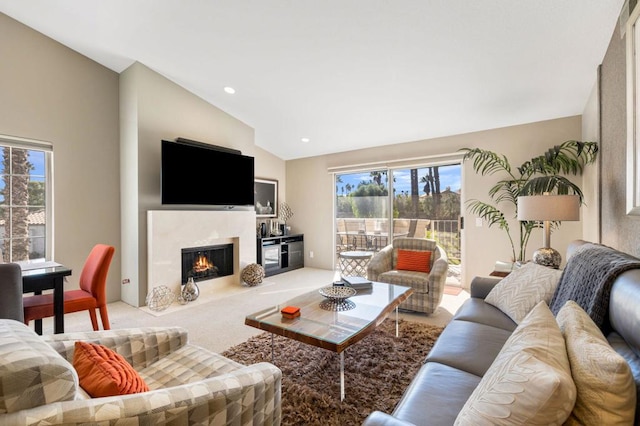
(449, 177)
(36, 158)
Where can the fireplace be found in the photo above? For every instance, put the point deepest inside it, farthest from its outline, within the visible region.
(205, 263)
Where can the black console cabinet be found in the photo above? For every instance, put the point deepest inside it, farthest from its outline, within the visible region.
(281, 254)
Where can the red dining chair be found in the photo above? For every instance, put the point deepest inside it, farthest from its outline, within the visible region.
(90, 296)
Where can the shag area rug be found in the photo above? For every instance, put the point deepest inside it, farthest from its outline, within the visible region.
(378, 369)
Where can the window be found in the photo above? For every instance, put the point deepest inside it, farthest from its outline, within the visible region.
(426, 204)
(633, 112)
(373, 206)
(25, 207)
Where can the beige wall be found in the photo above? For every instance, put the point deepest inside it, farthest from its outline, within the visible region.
(618, 229)
(51, 93)
(310, 189)
(155, 108)
(107, 129)
(591, 177)
(269, 166)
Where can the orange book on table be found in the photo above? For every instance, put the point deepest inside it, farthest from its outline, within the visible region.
(290, 312)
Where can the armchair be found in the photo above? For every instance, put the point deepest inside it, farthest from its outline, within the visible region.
(188, 384)
(428, 286)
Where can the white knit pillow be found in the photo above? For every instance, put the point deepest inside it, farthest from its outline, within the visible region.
(521, 290)
(529, 382)
(606, 389)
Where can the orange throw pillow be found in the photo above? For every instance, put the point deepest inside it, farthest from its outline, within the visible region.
(413, 260)
(103, 372)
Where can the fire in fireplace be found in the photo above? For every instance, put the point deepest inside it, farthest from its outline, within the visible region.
(204, 263)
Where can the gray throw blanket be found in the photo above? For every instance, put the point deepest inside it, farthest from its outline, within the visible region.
(588, 277)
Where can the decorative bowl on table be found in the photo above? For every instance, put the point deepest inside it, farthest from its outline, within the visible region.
(337, 293)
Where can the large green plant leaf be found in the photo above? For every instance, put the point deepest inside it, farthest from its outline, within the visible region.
(486, 162)
(570, 157)
(541, 174)
(491, 214)
(551, 184)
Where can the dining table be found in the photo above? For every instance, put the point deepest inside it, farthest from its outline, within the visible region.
(40, 276)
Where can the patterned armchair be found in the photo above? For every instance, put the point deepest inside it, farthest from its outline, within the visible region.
(188, 384)
(428, 287)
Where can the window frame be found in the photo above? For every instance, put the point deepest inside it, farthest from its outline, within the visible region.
(47, 148)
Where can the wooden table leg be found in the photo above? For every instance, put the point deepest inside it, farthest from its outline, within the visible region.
(58, 305)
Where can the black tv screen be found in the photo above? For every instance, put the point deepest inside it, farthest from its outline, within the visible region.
(198, 175)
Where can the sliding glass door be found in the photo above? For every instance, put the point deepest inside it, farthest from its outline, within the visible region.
(427, 204)
(362, 210)
(375, 206)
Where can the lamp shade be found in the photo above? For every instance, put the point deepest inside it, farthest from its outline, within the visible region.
(549, 207)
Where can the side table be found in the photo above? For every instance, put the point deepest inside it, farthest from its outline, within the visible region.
(354, 262)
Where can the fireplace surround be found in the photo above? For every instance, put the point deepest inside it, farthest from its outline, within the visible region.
(169, 231)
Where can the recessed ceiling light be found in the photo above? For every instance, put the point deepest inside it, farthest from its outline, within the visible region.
(230, 90)
(305, 140)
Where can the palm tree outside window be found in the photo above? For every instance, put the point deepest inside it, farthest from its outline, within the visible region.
(25, 188)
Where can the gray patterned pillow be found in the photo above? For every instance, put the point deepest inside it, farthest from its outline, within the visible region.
(522, 289)
(29, 366)
(529, 382)
(606, 390)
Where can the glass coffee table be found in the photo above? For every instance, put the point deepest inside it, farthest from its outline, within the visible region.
(329, 325)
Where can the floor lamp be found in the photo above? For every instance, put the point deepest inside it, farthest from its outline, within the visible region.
(548, 208)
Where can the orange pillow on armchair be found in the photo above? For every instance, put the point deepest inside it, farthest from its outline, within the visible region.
(414, 260)
(103, 372)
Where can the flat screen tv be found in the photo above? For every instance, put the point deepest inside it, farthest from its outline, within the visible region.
(196, 174)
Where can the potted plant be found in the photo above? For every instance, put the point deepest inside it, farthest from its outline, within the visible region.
(542, 174)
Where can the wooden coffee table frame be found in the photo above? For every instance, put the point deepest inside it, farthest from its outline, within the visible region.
(333, 330)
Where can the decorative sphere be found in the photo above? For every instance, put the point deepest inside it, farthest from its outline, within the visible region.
(160, 298)
(252, 274)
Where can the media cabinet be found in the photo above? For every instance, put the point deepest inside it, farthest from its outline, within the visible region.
(281, 254)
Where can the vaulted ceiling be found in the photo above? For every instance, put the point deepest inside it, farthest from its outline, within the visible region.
(349, 74)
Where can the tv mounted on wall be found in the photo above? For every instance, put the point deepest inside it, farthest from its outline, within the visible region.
(195, 173)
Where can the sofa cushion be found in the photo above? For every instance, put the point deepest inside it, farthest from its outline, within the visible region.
(31, 372)
(522, 289)
(103, 372)
(622, 347)
(187, 365)
(468, 346)
(414, 260)
(606, 390)
(426, 395)
(476, 310)
(530, 380)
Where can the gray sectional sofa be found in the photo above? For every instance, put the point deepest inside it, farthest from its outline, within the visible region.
(472, 340)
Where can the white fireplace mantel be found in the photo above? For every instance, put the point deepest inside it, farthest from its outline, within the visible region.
(168, 231)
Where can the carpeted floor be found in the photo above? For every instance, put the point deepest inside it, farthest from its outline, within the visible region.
(452, 290)
(377, 371)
